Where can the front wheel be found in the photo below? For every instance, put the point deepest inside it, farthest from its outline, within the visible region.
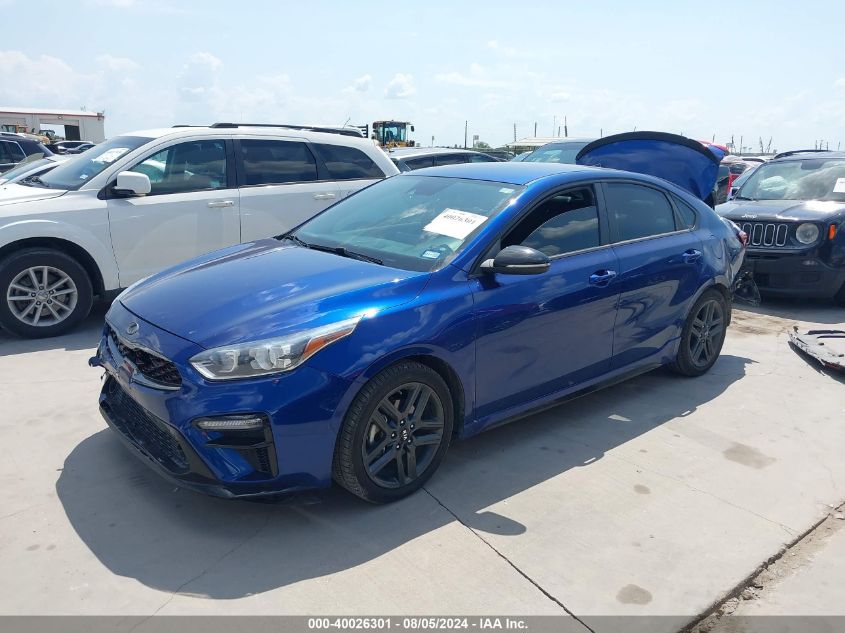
(395, 434)
(45, 292)
(703, 335)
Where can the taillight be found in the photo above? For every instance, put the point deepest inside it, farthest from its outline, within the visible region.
(731, 178)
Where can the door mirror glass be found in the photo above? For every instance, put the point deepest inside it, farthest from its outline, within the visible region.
(518, 260)
(132, 183)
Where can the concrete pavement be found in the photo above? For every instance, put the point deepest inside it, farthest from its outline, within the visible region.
(655, 497)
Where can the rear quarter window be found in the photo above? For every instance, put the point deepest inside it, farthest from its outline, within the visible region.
(347, 163)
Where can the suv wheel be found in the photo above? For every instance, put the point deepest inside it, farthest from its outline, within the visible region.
(44, 293)
(395, 434)
(703, 335)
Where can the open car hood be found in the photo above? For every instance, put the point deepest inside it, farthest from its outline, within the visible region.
(680, 160)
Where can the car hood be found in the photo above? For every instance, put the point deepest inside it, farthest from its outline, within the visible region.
(682, 161)
(11, 193)
(810, 210)
(262, 289)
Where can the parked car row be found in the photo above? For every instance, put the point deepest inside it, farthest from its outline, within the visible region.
(16, 148)
(411, 158)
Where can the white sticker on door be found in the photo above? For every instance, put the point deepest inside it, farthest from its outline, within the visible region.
(454, 223)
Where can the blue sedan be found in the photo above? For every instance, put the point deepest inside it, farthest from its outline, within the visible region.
(427, 307)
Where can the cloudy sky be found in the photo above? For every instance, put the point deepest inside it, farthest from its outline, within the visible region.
(756, 69)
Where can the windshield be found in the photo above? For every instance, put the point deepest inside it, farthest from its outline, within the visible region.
(410, 222)
(809, 179)
(556, 153)
(390, 132)
(77, 171)
(25, 168)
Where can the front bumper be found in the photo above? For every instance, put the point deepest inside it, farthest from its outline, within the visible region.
(793, 274)
(294, 452)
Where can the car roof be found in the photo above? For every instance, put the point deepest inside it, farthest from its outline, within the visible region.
(806, 155)
(410, 152)
(508, 172)
(234, 130)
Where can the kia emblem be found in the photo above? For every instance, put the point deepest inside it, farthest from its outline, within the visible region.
(132, 328)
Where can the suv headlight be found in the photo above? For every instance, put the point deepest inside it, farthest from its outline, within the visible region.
(807, 233)
(269, 356)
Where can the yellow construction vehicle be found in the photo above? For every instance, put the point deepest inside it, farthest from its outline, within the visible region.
(389, 134)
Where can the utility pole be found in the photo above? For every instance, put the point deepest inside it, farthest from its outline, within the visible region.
(601, 132)
(514, 132)
(558, 131)
(466, 128)
(432, 140)
(741, 146)
(565, 127)
(554, 125)
(535, 129)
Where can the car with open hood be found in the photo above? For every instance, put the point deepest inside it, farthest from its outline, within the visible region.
(429, 306)
(793, 210)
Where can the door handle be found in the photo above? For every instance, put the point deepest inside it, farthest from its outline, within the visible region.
(602, 278)
(219, 204)
(324, 196)
(691, 256)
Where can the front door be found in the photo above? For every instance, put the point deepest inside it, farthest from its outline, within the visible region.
(191, 209)
(542, 334)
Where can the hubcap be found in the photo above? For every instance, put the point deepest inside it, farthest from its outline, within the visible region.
(706, 333)
(404, 433)
(42, 296)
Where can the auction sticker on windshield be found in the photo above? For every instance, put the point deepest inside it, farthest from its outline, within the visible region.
(109, 156)
(454, 223)
(839, 187)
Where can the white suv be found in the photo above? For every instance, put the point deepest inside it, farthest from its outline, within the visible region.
(144, 201)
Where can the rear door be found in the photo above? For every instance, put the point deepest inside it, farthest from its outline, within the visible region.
(191, 209)
(281, 185)
(349, 167)
(660, 269)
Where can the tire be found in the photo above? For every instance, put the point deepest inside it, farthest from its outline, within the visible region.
(695, 360)
(66, 300)
(370, 428)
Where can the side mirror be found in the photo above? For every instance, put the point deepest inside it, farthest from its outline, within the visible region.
(131, 183)
(518, 260)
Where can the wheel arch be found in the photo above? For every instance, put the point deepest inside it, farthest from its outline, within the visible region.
(443, 368)
(65, 246)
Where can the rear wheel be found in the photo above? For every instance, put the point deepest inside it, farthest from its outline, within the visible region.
(703, 335)
(395, 434)
(44, 293)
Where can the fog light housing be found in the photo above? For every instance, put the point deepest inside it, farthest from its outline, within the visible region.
(249, 422)
(810, 262)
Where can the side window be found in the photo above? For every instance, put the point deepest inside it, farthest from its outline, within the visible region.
(688, 214)
(449, 159)
(10, 152)
(18, 154)
(191, 166)
(268, 162)
(347, 163)
(481, 158)
(565, 223)
(638, 211)
(419, 163)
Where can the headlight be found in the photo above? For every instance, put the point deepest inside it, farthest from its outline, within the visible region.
(270, 356)
(807, 233)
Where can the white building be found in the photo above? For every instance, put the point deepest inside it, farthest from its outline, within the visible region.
(79, 125)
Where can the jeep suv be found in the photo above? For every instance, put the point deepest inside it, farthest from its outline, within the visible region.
(141, 202)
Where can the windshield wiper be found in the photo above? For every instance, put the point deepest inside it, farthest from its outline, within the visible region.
(35, 180)
(345, 252)
(337, 250)
(294, 238)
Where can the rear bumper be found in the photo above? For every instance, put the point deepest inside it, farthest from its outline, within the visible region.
(793, 274)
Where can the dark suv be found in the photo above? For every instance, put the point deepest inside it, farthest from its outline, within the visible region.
(15, 148)
(793, 210)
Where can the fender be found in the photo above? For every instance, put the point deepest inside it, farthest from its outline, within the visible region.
(88, 241)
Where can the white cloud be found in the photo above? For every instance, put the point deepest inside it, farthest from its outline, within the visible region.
(119, 4)
(400, 87)
(839, 83)
(362, 84)
(117, 64)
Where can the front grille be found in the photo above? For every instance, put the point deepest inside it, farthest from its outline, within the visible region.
(144, 429)
(766, 233)
(155, 368)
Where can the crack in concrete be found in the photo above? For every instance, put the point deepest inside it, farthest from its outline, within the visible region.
(207, 569)
(510, 562)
